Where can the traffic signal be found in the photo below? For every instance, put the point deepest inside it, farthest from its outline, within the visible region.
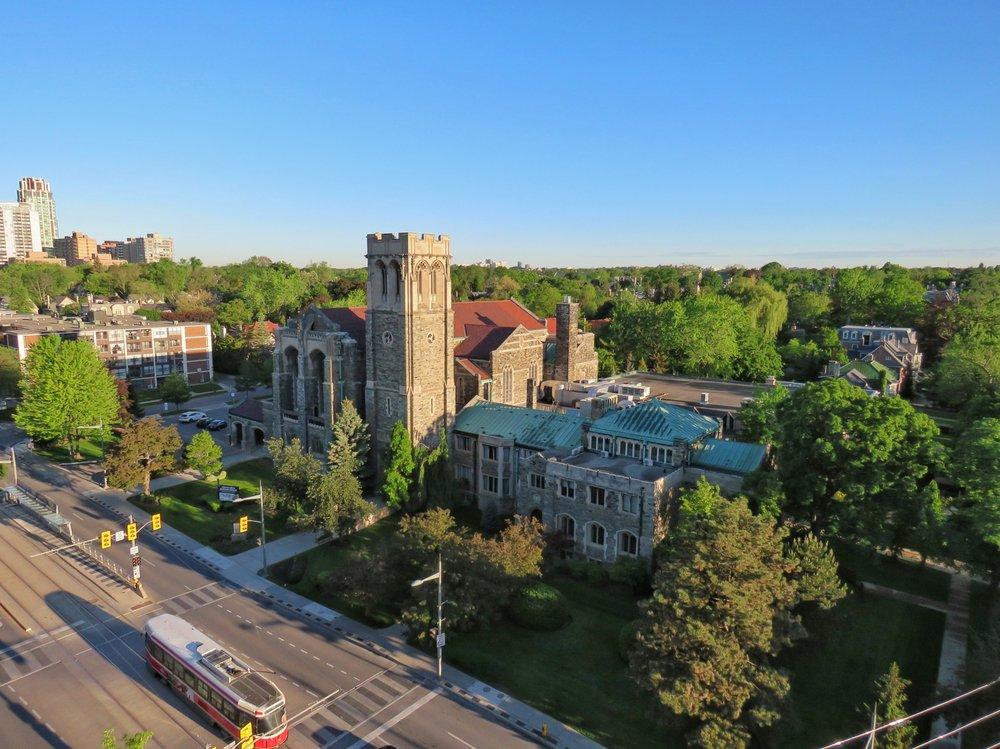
(244, 524)
(155, 521)
(131, 531)
(105, 539)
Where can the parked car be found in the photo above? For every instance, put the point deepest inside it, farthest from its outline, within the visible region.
(187, 416)
(203, 422)
(216, 424)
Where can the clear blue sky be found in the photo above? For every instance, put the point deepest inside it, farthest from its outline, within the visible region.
(553, 133)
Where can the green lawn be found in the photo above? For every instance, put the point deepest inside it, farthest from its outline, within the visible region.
(147, 396)
(859, 563)
(574, 674)
(984, 614)
(848, 648)
(206, 387)
(329, 556)
(59, 453)
(577, 676)
(183, 507)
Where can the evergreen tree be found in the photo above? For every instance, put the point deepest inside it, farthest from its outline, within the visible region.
(890, 695)
(203, 454)
(723, 604)
(400, 466)
(294, 472)
(65, 387)
(144, 446)
(350, 439)
(336, 498)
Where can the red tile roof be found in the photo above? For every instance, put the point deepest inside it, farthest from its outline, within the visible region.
(350, 319)
(498, 313)
(505, 313)
(472, 368)
(550, 325)
(480, 340)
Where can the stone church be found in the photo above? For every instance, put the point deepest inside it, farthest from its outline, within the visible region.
(413, 355)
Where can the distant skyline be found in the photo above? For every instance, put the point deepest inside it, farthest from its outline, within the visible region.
(556, 134)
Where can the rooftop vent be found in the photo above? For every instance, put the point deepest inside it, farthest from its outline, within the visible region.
(704, 397)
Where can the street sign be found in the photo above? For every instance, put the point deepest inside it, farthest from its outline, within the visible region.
(246, 731)
(136, 572)
(155, 521)
(105, 539)
(228, 493)
(440, 640)
(131, 531)
(119, 535)
(244, 524)
(134, 551)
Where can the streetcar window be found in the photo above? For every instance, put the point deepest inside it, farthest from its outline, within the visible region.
(189, 678)
(270, 721)
(203, 689)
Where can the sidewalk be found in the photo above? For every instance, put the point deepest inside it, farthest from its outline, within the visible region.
(240, 570)
(188, 475)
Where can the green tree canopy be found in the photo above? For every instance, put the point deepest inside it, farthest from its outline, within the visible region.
(144, 446)
(203, 454)
(890, 704)
(759, 417)
(400, 465)
(174, 389)
(65, 387)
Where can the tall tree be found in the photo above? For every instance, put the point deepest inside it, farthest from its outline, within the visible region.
(336, 499)
(723, 605)
(175, 389)
(65, 387)
(890, 703)
(144, 446)
(400, 465)
(351, 439)
(759, 417)
(203, 454)
(860, 466)
(294, 472)
(10, 371)
(975, 465)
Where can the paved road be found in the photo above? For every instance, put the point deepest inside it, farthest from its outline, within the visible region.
(80, 669)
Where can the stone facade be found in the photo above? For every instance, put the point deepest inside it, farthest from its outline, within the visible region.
(409, 349)
(317, 364)
(575, 357)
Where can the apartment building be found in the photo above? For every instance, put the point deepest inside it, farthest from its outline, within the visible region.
(146, 249)
(36, 193)
(20, 234)
(133, 348)
(78, 249)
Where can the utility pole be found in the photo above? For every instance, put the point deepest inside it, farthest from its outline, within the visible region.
(263, 531)
(439, 576)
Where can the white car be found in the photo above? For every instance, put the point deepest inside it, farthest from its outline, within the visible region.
(187, 416)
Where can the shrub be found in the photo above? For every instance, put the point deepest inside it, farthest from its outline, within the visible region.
(632, 572)
(540, 607)
(626, 638)
(214, 505)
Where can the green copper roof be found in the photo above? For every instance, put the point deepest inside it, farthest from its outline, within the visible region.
(871, 371)
(728, 456)
(527, 427)
(656, 421)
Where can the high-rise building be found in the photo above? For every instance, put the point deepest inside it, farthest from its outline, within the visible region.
(37, 193)
(19, 232)
(148, 249)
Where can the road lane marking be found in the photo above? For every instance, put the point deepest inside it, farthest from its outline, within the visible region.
(461, 741)
(402, 715)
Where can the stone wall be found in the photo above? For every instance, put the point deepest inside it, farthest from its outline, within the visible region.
(517, 366)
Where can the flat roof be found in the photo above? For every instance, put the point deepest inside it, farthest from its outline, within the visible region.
(620, 466)
(686, 391)
(45, 324)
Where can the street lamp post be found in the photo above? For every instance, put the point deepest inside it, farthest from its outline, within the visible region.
(263, 530)
(439, 576)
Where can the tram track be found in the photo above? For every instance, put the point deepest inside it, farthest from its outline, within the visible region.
(71, 659)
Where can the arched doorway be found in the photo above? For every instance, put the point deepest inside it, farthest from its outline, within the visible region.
(238, 433)
(258, 437)
(537, 514)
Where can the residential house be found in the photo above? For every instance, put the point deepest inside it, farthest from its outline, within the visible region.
(895, 348)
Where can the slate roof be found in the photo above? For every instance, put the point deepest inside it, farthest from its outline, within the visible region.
(656, 421)
(481, 340)
(728, 456)
(527, 427)
(251, 408)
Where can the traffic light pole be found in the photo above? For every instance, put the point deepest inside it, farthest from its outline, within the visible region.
(263, 530)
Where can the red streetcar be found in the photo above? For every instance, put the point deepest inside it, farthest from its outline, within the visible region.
(225, 688)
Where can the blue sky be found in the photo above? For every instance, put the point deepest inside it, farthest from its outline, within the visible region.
(553, 133)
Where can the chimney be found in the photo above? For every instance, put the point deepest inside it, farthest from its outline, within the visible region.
(704, 397)
(567, 326)
(833, 368)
